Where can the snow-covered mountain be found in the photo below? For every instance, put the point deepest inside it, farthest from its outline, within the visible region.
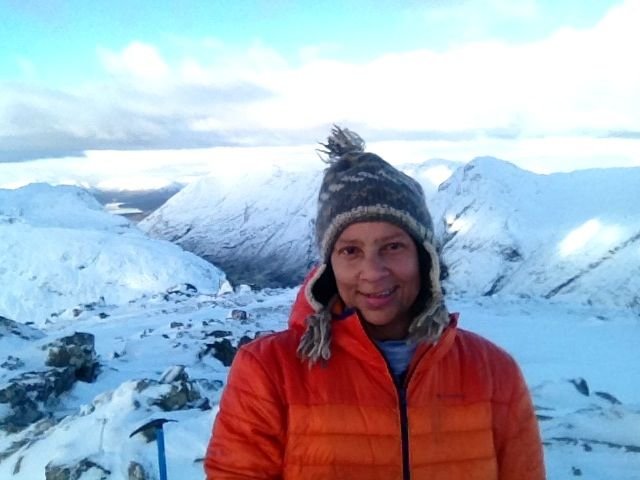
(60, 250)
(571, 237)
(431, 174)
(128, 329)
(257, 227)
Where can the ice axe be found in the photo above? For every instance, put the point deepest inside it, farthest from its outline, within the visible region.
(157, 426)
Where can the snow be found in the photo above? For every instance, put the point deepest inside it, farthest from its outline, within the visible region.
(99, 258)
(256, 225)
(132, 294)
(570, 237)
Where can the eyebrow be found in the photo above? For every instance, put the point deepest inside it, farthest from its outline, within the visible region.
(388, 238)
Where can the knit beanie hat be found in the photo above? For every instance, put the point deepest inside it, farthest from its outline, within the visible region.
(362, 187)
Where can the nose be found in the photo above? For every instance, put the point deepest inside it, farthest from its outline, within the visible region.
(373, 268)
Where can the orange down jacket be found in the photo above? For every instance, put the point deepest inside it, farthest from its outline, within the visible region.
(463, 413)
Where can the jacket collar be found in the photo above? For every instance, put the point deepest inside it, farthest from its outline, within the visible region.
(348, 332)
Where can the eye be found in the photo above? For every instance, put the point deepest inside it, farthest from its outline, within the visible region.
(394, 246)
(348, 251)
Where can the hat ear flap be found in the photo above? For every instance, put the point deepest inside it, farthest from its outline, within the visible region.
(325, 287)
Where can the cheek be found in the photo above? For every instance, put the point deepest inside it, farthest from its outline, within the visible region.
(342, 274)
(410, 275)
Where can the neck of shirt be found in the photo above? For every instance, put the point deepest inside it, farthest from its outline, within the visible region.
(398, 354)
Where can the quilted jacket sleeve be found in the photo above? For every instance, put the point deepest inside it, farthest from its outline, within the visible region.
(247, 438)
(520, 453)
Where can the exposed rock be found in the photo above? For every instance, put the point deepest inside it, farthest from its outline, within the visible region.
(238, 314)
(173, 374)
(223, 350)
(77, 351)
(22, 415)
(184, 290)
(175, 391)
(12, 328)
(182, 395)
(219, 334)
(581, 385)
(77, 471)
(135, 471)
(39, 385)
(12, 363)
(592, 441)
(27, 392)
(609, 397)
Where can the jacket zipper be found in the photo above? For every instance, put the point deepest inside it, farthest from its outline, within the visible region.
(400, 383)
(401, 390)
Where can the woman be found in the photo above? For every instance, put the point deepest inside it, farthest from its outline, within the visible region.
(373, 379)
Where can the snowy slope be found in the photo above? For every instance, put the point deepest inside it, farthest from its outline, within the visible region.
(431, 174)
(256, 226)
(568, 237)
(597, 434)
(59, 249)
(580, 361)
(505, 231)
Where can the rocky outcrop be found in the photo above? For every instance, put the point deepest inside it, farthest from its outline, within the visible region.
(135, 471)
(26, 396)
(85, 468)
(76, 351)
(223, 349)
(11, 328)
(174, 391)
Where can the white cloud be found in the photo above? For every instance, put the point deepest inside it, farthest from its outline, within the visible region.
(566, 90)
(138, 59)
(574, 82)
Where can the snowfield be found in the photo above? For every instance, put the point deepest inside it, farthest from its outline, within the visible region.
(59, 249)
(166, 323)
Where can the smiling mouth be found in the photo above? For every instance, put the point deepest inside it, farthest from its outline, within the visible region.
(383, 294)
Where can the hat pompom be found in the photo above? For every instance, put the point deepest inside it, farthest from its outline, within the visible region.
(341, 143)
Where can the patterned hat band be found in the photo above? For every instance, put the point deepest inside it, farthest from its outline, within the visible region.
(371, 213)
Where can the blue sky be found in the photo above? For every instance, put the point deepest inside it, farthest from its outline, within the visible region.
(79, 76)
(59, 38)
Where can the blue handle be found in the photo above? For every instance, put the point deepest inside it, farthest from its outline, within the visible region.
(162, 462)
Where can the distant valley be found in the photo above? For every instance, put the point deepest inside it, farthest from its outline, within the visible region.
(135, 204)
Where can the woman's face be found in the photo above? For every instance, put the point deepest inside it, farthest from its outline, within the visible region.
(377, 272)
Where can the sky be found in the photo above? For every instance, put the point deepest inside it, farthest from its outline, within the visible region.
(548, 85)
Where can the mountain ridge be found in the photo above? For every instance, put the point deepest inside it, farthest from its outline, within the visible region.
(502, 230)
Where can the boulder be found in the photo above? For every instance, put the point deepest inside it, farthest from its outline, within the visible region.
(71, 358)
(76, 471)
(27, 392)
(76, 351)
(135, 471)
(12, 363)
(237, 314)
(11, 328)
(174, 391)
(21, 416)
(223, 350)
